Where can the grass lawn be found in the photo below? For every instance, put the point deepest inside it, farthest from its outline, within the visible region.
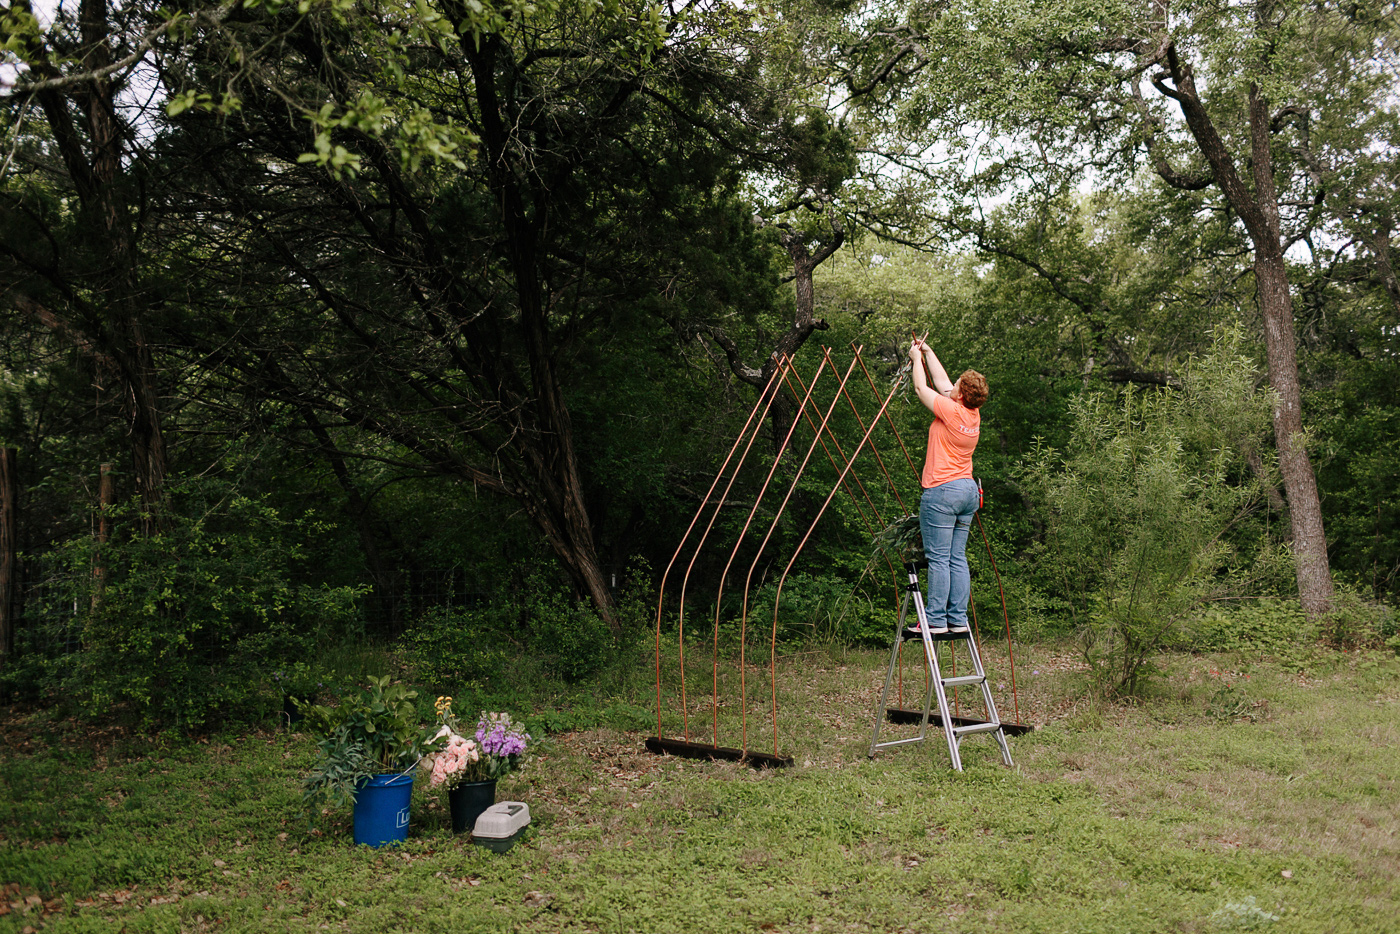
(1244, 795)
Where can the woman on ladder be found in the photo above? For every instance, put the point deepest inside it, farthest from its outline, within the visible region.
(950, 496)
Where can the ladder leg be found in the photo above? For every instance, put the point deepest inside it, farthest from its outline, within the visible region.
(931, 656)
(1000, 737)
(928, 709)
(993, 722)
(889, 675)
(992, 716)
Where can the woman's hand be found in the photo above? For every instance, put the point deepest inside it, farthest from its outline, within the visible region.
(916, 351)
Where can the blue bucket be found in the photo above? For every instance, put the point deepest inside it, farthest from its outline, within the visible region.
(381, 809)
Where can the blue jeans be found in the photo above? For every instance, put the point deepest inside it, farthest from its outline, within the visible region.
(945, 518)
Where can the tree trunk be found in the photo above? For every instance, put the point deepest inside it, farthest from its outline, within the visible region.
(1259, 212)
(1299, 481)
(783, 411)
(9, 480)
(804, 264)
(106, 498)
(111, 331)
(378, 571)
(1280, 345)
(1379, 243)
(148, 452)
(551, 453)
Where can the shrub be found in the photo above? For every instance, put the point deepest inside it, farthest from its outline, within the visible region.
(1262, 626)
(1139, 505)
(820, 609)
(371, 731)
(185, 624)
(1355, 622)
(568, 636)
(449, 649)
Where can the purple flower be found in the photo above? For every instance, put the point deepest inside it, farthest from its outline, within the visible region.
(498, 739)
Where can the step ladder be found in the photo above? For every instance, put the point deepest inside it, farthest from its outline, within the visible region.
(954, 728)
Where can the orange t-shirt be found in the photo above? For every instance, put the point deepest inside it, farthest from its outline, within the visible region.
(952, 437)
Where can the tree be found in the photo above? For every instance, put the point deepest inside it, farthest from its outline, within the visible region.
(476, 208)
(1248, 100)
(1140, 507)
(81, 273)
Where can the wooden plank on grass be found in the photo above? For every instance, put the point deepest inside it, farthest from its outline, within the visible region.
(896, 715)
(676, 747)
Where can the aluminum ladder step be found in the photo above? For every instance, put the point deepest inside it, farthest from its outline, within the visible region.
(976, 728)
(965, 679)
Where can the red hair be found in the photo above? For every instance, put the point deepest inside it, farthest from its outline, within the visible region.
(974, 389)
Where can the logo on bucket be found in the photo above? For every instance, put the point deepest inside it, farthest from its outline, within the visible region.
(403, 818)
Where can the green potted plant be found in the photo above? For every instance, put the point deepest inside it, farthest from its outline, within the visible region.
(369, 745)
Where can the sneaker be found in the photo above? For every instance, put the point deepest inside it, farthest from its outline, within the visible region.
(938, 630)
(962, 628)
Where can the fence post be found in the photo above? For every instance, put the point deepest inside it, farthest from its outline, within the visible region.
(106, 495)
(8, 482)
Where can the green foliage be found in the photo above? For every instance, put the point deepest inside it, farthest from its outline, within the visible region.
(1354, 622)
(449, 649)
(498, 651)
(183, 627)
(818, 609)
(1357, 406)
(302, 680)
(568, 636)
(1140, 507)
(1257, 626)
(370, 732)
(1229, 703)
(900, 541)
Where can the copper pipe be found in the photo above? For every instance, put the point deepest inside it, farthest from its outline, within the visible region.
(894, 572)
(878, 459)
(1010, 655)
(758, 556)
(866, 493)
(758, 500)
(778, 597)
(661, 596)
(685, 583)
(977, 635)
(893, 427)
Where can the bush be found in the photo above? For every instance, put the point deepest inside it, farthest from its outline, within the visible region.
(1356, 623)
(450, 649)
(817, 609)
(568, 636)
(1259, 626)
(185, 624)
(1140, 506)
(498, 650)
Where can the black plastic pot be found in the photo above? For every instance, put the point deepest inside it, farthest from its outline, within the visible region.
(467, 801)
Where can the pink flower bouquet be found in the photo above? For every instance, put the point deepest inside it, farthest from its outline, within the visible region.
(498, 748)
(455, 762)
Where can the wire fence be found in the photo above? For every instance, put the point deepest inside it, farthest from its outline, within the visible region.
(418, 591)
(53, 599)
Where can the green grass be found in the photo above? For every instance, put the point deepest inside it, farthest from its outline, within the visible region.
(1269, 804)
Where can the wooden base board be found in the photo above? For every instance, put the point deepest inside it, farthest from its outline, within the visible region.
(896, 715)
(676, 747)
